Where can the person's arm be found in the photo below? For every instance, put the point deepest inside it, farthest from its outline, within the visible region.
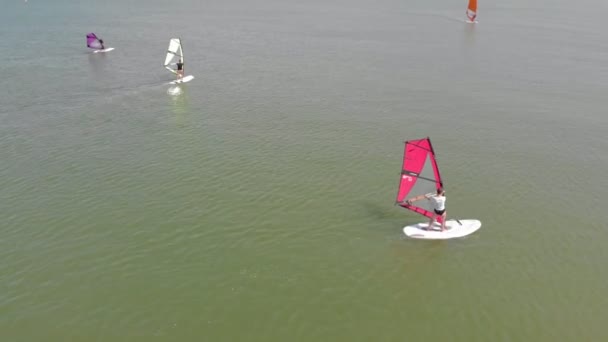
(417, 198)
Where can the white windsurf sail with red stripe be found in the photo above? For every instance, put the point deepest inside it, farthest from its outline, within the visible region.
(419, 176)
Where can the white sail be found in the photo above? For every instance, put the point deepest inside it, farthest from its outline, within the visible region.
(174, 54)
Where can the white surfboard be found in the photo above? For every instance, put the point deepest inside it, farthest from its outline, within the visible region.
(185, 79)
(454, 229)
(104, 50)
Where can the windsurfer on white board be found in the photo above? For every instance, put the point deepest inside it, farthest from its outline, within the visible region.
(180, 69)
(438, 206)
(101, 42)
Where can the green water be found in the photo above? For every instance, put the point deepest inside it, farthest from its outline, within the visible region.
(257, 205)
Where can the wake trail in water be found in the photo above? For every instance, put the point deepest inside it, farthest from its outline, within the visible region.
(122, 92)
(446, 17)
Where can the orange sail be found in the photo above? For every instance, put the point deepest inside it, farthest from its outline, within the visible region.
(472, 10)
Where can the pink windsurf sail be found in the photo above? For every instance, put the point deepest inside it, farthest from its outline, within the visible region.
(93, 41)
(419, 176)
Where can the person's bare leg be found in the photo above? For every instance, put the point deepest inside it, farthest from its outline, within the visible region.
(431, 222)
(443, 216)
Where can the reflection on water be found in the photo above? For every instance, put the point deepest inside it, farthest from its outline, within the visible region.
(178, 96)
(174, 90)
(97, 62)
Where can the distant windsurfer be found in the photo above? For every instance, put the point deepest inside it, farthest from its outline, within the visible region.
(438, 201)
(180, 69)
(472, 10)
(101, 42)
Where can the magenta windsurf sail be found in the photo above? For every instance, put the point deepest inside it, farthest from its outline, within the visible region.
(419, 176)
(93, 41)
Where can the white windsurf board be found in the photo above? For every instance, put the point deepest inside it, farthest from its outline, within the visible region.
(185, 79)
(454, 229)
(104, 50)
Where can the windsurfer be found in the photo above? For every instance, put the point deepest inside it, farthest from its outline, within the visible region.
(101, 42)
(180, 69)
(472, 10)
(438, 201)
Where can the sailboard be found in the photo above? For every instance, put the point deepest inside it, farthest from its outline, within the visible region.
(175, 53)
(94, 42)
(472, 12)
(420, 175)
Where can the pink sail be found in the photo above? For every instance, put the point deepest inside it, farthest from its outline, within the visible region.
(419, 176)
(92, 41)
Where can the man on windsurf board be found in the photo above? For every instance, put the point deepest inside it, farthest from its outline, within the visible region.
(180, 69)
(438, 201)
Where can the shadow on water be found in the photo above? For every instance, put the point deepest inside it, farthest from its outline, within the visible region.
(416, 254)
(381, 212)
(389, 217)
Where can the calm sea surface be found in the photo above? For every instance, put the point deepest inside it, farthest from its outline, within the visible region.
(257, 205)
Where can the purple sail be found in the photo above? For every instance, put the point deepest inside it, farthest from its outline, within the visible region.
(93, 42)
